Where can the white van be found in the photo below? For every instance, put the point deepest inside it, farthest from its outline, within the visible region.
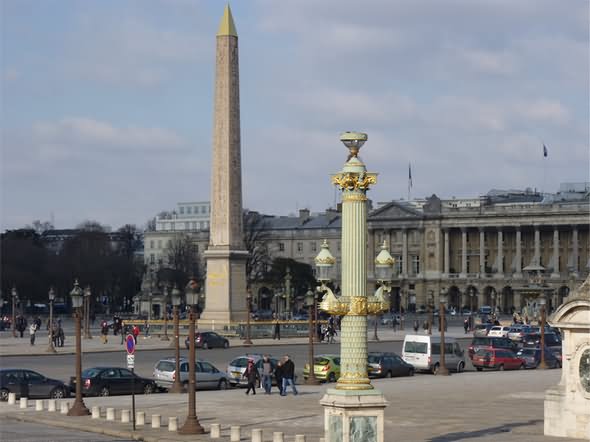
(423, 352)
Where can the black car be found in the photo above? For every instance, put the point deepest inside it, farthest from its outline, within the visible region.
(208, 340)
(534, 340)
(30, 384)
(532, 357)
(107, 381)
(387, 365)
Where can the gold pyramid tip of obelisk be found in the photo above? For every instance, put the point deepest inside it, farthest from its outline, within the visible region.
(227, 26)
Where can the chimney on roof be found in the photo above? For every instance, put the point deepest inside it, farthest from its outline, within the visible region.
(332, 214)
(303, 215)
(339, 207)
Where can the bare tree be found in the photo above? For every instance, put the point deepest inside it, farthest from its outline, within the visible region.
(256, 240)
(40, 226)
(182, 257)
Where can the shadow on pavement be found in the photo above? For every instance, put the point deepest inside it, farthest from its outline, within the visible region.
(484, 432)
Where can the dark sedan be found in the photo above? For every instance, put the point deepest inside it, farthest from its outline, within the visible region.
(208, 340)
(532, 357)
(30, 384)
(387, 365)
(107, 381)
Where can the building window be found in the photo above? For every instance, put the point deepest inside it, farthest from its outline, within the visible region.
(281, 247)
(187, 226)
(159, 244)
(152, 258)
(181, 210)
(203, 209)
(151, 244)
(169, 244)
(300, 247)
(314, 246)
(398, 264)
(415, 264)
(189, 210)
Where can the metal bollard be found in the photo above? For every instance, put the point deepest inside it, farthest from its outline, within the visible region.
(125, 416)
(300, 438)
(11, 398)
(51, 405)
(173, 423)
(24, 402)
(156, 420)
(215, 431)
(95, 412)
(234, 433)
(64, 407)
(39, 405)
(277, 436)
(256, 435)
(140, 418)
(110, 414)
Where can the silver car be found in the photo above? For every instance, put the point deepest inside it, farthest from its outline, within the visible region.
(237, 367)
(207, 375)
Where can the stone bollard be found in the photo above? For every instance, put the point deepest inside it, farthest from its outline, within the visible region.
(110, 414)
(256, 435)
(24, 402)
(64, 407)
(51, 405)
(300, 438)
(11, 398)
(173, 423)
(95, 412)
(39, 405)
(140, 418)
(156, 420)
(125, 416)
(234, 433)
(277, 436)
(215, 431)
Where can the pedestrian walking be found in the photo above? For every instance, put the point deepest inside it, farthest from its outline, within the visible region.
(466, 325)
(416, 326)
(288, 376)
(279, 376)
(135, 332)
(21, 325)
(33, 332)
(266, 374)
(251, 373)
(277, 330)
(104, 331)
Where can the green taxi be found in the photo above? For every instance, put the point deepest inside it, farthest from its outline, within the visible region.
(326, 368)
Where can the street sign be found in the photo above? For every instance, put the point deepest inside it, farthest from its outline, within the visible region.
(130, 344)
(130, 361)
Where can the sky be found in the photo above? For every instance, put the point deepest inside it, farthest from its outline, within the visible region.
(106, 105)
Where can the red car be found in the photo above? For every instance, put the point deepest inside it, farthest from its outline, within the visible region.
(497, 359)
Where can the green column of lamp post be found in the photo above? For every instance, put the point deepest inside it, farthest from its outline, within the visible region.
(443, 299)
(78, 409)
(248, 341)
(191, 425)
(176, 298)
(14, 295)
(542, 300)
(165, 336)
(50, 346)
(310, 302)
(87, 295)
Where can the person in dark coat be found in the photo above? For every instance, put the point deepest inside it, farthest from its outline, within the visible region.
(251, 373)
(288, 376)
(279, 376)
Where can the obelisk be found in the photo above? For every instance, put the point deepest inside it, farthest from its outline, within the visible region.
(226, 255)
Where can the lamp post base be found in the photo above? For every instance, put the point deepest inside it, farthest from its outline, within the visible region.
(50, 349)
(542, 366)
(191, 426)
(248, 342)
(88, 336)
(177, 387)
(78, 409)
(442, 371)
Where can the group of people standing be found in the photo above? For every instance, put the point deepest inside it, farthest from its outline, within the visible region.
(283, 372)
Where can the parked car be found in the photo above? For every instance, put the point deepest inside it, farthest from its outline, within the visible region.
(480, 342)
(389, 319)
(387, 365)
(516, 333)
(485, 310)
(325, 367)
(497, 359)
(237, 367)
(262, 315)
(30, 384)
(499, 331)
(532, 357)
(423, 352)
(207, 375)
(107, 381)
(482, 329)
(208, 339)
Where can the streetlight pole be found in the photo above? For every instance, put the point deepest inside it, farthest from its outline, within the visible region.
(78, 409)
(383, 271)
(442, 369)
(248, 341)
(165, 337)
(50, 346)
(177, 386)
(310, 301)
(542, 301)
(14, 295)
(430, 311)
(471, 296)
(191, 425)
(87, 294)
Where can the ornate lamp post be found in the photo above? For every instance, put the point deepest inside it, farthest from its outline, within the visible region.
(165, 336)
(14, 295)
(176, 300)
(383, 273)
(191, 425)
(78, 409)
(310, 303)
(542, 300)
(248, 341)
(430, 311)
(288, 279)
(471, 296)
(50, 347)
(87, 294)
(493, 296)
(443, 299)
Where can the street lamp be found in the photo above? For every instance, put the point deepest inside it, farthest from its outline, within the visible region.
(165, 337)
(50, 347)
(288, 279)
(87, 294)
(324, 262)
(383, 273)
(471, 296)
(430, 310)
(443, 298)
(191, 425)
(310, 303)
(493, 296)
(78, 409)
(177, 386)
(248, 341)
(14, 295)
(542, 302)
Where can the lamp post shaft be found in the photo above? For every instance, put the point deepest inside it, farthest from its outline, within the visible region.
(78, 409)
(50, 347)
(248, 341)
(311, 379)
(177, 385)
(442, 370)
(14, 316)
(542, 364)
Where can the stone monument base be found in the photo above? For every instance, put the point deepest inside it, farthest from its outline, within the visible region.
(353, 415)
(565, 418)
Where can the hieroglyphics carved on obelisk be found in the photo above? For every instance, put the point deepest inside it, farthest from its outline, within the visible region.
(226, 257)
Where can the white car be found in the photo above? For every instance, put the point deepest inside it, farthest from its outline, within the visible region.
(499, 331)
